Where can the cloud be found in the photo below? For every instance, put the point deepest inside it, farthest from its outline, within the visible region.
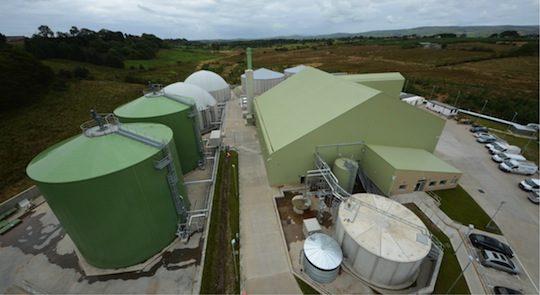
(207, 19)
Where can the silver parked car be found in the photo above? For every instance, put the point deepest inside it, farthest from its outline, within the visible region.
(498, 261)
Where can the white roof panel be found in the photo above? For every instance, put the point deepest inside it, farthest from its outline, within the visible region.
(265, 74)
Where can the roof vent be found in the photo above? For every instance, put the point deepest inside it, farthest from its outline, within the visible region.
(152, 90)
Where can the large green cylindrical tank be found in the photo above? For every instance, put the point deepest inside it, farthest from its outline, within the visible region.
(345, 170)
(181, 118)
(109, 195)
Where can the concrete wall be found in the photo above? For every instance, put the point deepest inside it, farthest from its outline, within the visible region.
(381, 120)
(410, 178)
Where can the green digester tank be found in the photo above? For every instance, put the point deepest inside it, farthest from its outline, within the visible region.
(110, 197)
(181, 118)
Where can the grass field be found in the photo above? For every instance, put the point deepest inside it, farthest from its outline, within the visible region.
(306, 289)
(171, 57)
(461, 207)
(219, 270)
(450, 268)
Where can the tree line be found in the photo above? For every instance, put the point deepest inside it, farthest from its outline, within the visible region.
(103, 47)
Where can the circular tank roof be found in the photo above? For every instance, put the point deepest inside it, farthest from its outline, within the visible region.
(81, 157)
(149, 106)
(203, 99)
(207, 80)
(323, 251)
(399, 237)
(265, 74)
(295, 70)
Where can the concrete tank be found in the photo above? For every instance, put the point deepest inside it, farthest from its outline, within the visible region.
(345, 170)
(382, 240)
(109, 196)
(175, 115)
(322, 258)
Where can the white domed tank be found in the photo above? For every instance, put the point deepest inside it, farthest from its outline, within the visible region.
(211, 82)
(383, 241)
(205, 103)
(263, 80)
(294, 70)
(345, 170)
(322, 258)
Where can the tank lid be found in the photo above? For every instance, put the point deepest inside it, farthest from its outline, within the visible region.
(387, 229)
(82, 157)
(323, 251)
(150, 106)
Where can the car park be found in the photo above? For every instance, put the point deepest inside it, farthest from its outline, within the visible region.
(534, 197)
(486, 242)
(505, 290)
(498, 261)
(502, 147)
(530, 184)
(478, 129)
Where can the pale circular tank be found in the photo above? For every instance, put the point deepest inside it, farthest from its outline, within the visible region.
(382, 240)
(211, 82)
(263, 80)
(109, 196)
(173, 114)
(322, 258)
(294, 70)
(206, 104)
(345, 170)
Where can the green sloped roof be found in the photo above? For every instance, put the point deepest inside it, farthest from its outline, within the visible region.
(81, 157)
(152, 106)
(412, 159)
(359, 78)
(305, 102)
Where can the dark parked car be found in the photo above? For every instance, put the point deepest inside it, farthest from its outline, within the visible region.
(478, 129)
(505, 290)
(498, 261)
(484, 242)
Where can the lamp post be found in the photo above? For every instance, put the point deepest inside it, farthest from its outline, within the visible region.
(515, 115)
(457, 97)
(471, 228)
(471, 259)
(235, 179)
(497, 211)
(484, 106)
(233, 242)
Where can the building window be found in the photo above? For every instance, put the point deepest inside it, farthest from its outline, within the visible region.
(432, 183)
(442, 182)
(402, 187)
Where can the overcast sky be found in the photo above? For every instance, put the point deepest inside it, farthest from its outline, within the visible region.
(225, 19)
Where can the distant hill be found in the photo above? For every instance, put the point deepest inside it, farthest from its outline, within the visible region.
(470, 31)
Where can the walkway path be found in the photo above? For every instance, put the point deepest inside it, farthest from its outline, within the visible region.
(263, 259)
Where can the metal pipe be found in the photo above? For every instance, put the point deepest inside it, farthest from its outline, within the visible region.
(199, 181)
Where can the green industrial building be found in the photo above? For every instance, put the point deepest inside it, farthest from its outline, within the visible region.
(314, 109)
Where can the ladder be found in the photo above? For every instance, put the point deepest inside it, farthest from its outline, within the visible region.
(166, 161)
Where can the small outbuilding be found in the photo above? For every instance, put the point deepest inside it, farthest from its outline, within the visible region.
(441, 108)
(522, 130)
(398, 170)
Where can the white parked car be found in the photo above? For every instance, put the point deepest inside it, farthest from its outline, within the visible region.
(506, 156)
(530, 184)
(518, 167)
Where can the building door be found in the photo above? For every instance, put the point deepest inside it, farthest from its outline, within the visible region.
(420, 185)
